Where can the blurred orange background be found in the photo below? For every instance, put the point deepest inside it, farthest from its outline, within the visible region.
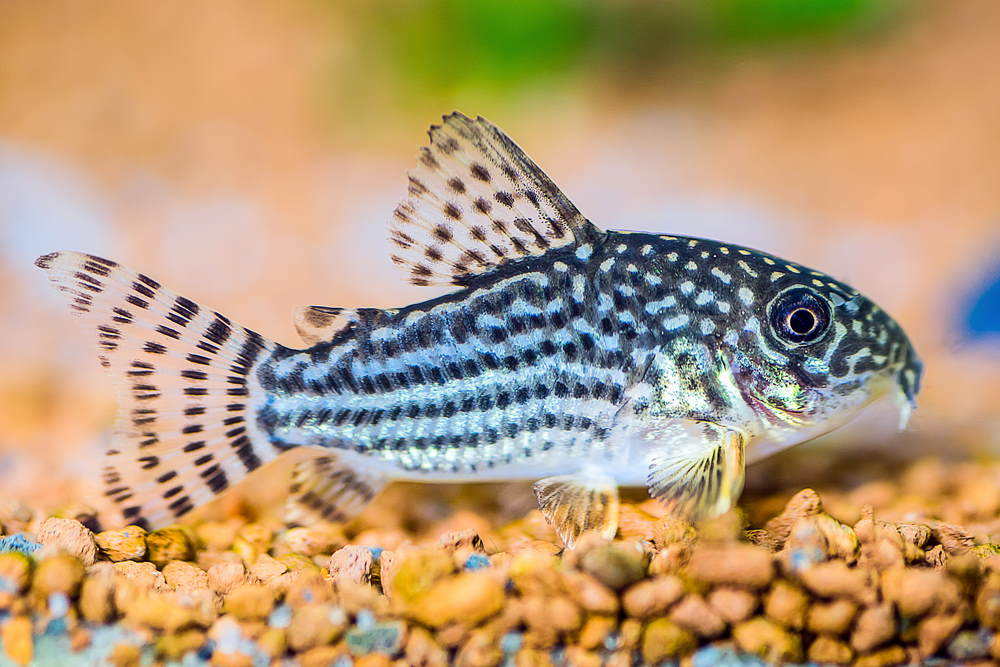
(249, 156)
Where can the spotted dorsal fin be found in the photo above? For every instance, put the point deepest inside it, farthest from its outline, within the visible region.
(476, 202)
(319, 324)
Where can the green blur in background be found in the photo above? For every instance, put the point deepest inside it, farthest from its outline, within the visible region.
(436, 47)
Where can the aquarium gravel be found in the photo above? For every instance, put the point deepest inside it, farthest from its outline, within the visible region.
(896, 571)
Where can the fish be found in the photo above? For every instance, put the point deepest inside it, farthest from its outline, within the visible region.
(579, 358)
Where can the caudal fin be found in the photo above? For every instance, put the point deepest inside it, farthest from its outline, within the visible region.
(186, 387)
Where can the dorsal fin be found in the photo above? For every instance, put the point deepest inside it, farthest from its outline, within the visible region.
(318, 324)
(476, 201)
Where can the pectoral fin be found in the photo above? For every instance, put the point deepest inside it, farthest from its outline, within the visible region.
(698, 469)
(575, 504)
(323, 488)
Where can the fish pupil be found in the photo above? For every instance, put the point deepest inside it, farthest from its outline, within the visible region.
(800, 316)
(802, 321)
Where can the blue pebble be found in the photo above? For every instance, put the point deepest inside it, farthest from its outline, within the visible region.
(511, 642)
(477, 562)
(281, 617)
(365, 620)
(18, 542)
(711, 656)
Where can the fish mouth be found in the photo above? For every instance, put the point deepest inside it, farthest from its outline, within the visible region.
(771, 413)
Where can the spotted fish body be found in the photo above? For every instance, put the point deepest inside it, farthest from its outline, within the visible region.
(579, 357)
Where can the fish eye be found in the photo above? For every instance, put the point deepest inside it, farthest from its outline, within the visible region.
(800, 316)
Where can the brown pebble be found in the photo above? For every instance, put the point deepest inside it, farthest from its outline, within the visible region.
(579, 657)
(309, 587)
(274, 642)
(664, 639)
(470, 597)
(786, 604)
(129, 543)
(733, 564)
(835, 579)
(595, 630)
(98, 593)
(934, 631)
(653, 596)
(224, 577)
(206, 559)
(125, 655)
(266, 568)
(479, 650)
(462, 540)
(351, 563)
(252, 540)
(671, 559)
(673, 530)
(373, 660)
(590, 593)
(829, 650)
(768, 640)
(726, 527)
(408, 574)
(536, 573)
(356, 597)
(15, 571)
(69, 536)
(875, 626)
(143, 575)
(918, 591)
(61, 573)
(804, 503)
(321, 538)
(421, 650)
(616, 565)
(173, 646)
(322, 656)
(298, 562)
(629, 633)
(182, 576)
(16, 634)
(892, 655)
(315, 624)
(249, 602)
(954, 539)
(218, 535)
(79, 639)
(636, 524)
(167, 544)
(936, 556)
(564, 615)
(832, 618)
(695, 615)
(988, 601)
(160, 611)
(732, 604)
(916, 534)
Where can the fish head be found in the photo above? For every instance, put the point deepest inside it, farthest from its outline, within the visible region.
(813, 353)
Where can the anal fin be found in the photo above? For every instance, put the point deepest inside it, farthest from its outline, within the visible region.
(579, 503)
(698, 468)
(325, 489)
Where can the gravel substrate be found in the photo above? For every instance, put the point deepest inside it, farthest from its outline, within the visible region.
(892, 572)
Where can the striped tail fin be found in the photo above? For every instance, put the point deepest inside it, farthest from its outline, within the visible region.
(186, 386)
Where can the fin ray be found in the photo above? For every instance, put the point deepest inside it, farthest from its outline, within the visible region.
(579, 503)
(477, 201)
(698, 468)
(186, 388)
(324, 489)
